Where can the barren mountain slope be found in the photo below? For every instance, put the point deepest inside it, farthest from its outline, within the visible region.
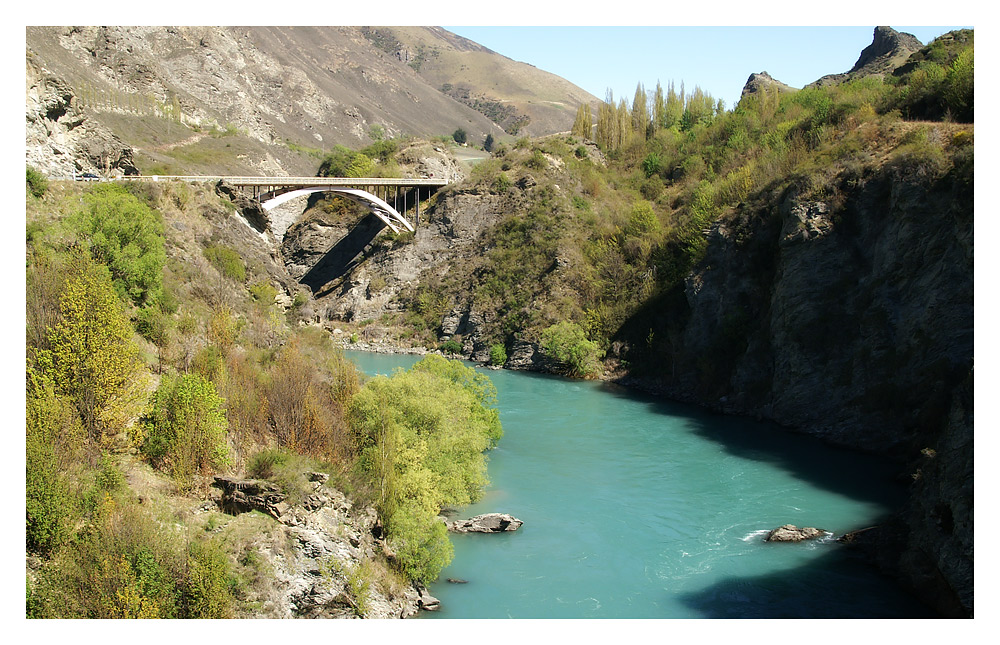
(288, 87)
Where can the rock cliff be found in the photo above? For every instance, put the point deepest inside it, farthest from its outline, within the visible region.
(889, 50)
(60, 138)
(850, 319)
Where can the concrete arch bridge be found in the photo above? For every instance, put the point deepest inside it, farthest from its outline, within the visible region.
(388, 198)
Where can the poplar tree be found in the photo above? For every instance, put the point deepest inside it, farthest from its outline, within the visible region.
(640, 111)
(606, 123)
(584, 122)
(659, 115)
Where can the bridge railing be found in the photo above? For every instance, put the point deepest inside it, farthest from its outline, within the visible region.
(407, 182)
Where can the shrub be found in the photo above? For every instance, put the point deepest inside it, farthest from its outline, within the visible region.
(125, 235)
(336, 163)
(48, 505)
(93, 359)
(208, 587)
(537, 160)
(566, 344)
(651, 164)
(36, 182)
(265, 463)
(124, 567)
(642, 219)
(361, 166)
(459, 136)
(498, 354)
(451, 346)
(263, 292)
(187, 428)
(502, 183)
(420, 435)
(227, 261)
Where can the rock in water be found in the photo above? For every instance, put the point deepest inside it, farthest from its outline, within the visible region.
(792, 533)
(488, 523)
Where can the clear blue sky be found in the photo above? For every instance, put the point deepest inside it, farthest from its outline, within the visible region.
(718, 59)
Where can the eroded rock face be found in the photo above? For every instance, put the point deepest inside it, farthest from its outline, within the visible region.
(487, 523)
(763, 82)
(60, 140)
(792, 533)
(888, 50)
(314, 549)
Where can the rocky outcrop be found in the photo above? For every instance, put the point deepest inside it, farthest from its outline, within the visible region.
(889, 50)
(245, 495)
(763, 82)
(486, 523)
(792, 533)
(251, 209)
(849, 319)
(319, 553)
(60, 139)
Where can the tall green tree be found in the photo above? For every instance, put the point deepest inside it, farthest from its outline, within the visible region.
(93, 358)
(125, 235)
(421, 435)
(640, 111)
(583, 124)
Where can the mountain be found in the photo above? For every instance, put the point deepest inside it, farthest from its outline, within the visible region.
(275, 94)
(805, 259)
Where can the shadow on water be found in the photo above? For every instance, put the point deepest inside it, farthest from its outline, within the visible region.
(344, 255)
(802, 592)
(848, 472)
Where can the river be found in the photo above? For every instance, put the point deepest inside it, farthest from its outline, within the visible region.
(636, 507)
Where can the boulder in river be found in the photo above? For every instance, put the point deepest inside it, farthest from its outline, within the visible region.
(792, 533)
(488, 523)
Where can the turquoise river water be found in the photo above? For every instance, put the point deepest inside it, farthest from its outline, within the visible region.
(636, 507)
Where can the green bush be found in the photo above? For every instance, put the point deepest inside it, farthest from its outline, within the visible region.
(263, 292)
(48, 504)
(93, 359)
(186, 430)
(36, 182)
(451, 346)
(420, 436)
(566, 344)
(208, 587)
(126, 235)
(498, 354)
(502, 183)
(265, 463)
(227, 261)
(642, 220)
(459, 136)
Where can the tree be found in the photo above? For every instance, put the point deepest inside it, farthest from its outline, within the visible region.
(124, 234)
(640, 111)
(187, 427)
(488, 143)
(642, 220)
(583, 124)
(93, 359)
(566, 343)
(459, 136)
(361, 166)
(420, 435)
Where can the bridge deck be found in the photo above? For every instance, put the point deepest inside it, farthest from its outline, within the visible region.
(299, 181)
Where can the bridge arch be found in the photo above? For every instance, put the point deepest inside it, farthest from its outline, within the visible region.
(379, 207)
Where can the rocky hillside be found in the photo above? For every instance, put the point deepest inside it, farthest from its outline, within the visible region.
(258, 99)
(806, 258)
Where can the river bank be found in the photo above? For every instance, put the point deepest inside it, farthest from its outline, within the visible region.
(638, 507)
